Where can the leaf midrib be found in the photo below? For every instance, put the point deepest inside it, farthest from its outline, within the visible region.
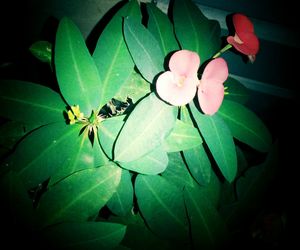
(239, 124)
(140, 137)
(60, 212)
(194, 202)
(34, 104)
(143, 47)
(174, 216)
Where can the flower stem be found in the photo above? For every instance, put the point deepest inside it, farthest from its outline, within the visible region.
(227, 47)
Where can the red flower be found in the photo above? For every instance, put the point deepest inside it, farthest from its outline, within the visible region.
(244, 40)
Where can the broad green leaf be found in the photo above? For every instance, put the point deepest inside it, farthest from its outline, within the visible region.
(242, 161)
(80, 156)
(194, 31)
(198, 164)
(245, 125)
(107, 133)
(76, 72)
(235, 90)
(183, 136)
(79, 196)
(121, 202)
(138, 236)
(84, 235)
(213, 190)
(15, 197)
(177, 172)
(251, 190)
(111, 55)
(100, 157)
(144, 49)
(11, 132)
(154, 162)
(147, 125)
(207, 226)
(51, 150)
(219, 141)
(250, 184)
(161, 204)
(42, 50)
(162, 29)
(30, 103)
(196, 158)
(135, 88)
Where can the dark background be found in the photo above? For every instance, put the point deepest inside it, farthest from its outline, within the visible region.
(24, 22)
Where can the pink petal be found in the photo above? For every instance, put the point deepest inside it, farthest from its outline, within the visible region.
(242, 23)
(215, 72)
(168, 89)
(184, 62)
(210, 99)
(211, 89)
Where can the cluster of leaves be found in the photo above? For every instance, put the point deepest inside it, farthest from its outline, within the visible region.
(171, 178)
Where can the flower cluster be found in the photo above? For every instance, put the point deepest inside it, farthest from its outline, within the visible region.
(179, 85)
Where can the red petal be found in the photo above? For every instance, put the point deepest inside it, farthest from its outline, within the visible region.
(242, 23)
(168, 89)
(184, 63)
(250, 45)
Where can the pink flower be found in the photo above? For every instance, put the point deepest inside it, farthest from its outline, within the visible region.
(244, 40)
(179, 85)
(211, 89)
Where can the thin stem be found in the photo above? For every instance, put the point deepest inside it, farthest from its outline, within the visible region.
(227, 47)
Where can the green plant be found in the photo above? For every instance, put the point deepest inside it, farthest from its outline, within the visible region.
(106, 163)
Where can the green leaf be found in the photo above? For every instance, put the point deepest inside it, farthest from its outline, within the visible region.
(213, 190)
(30, 103)
(15, 197)
(196, 158)
(11, 132)
(252, 189)
(121, 202)
(194, 31)
(236, 90)
(79, 196)
(80, 156)
(84, 235)
(177, 172)
(76, 72)
(100, 157)
(42, 50)
(161, 204)
(147, 125)
(245, 125)
(256, 178)
(51, 150)
(154, 162)
(162, 29)
(135, 88)
(242, 161)
(219, 141)
(207, 226)
(144, 49)
(107, 133)
(183, 136)
(138, 236)
(111, 55)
